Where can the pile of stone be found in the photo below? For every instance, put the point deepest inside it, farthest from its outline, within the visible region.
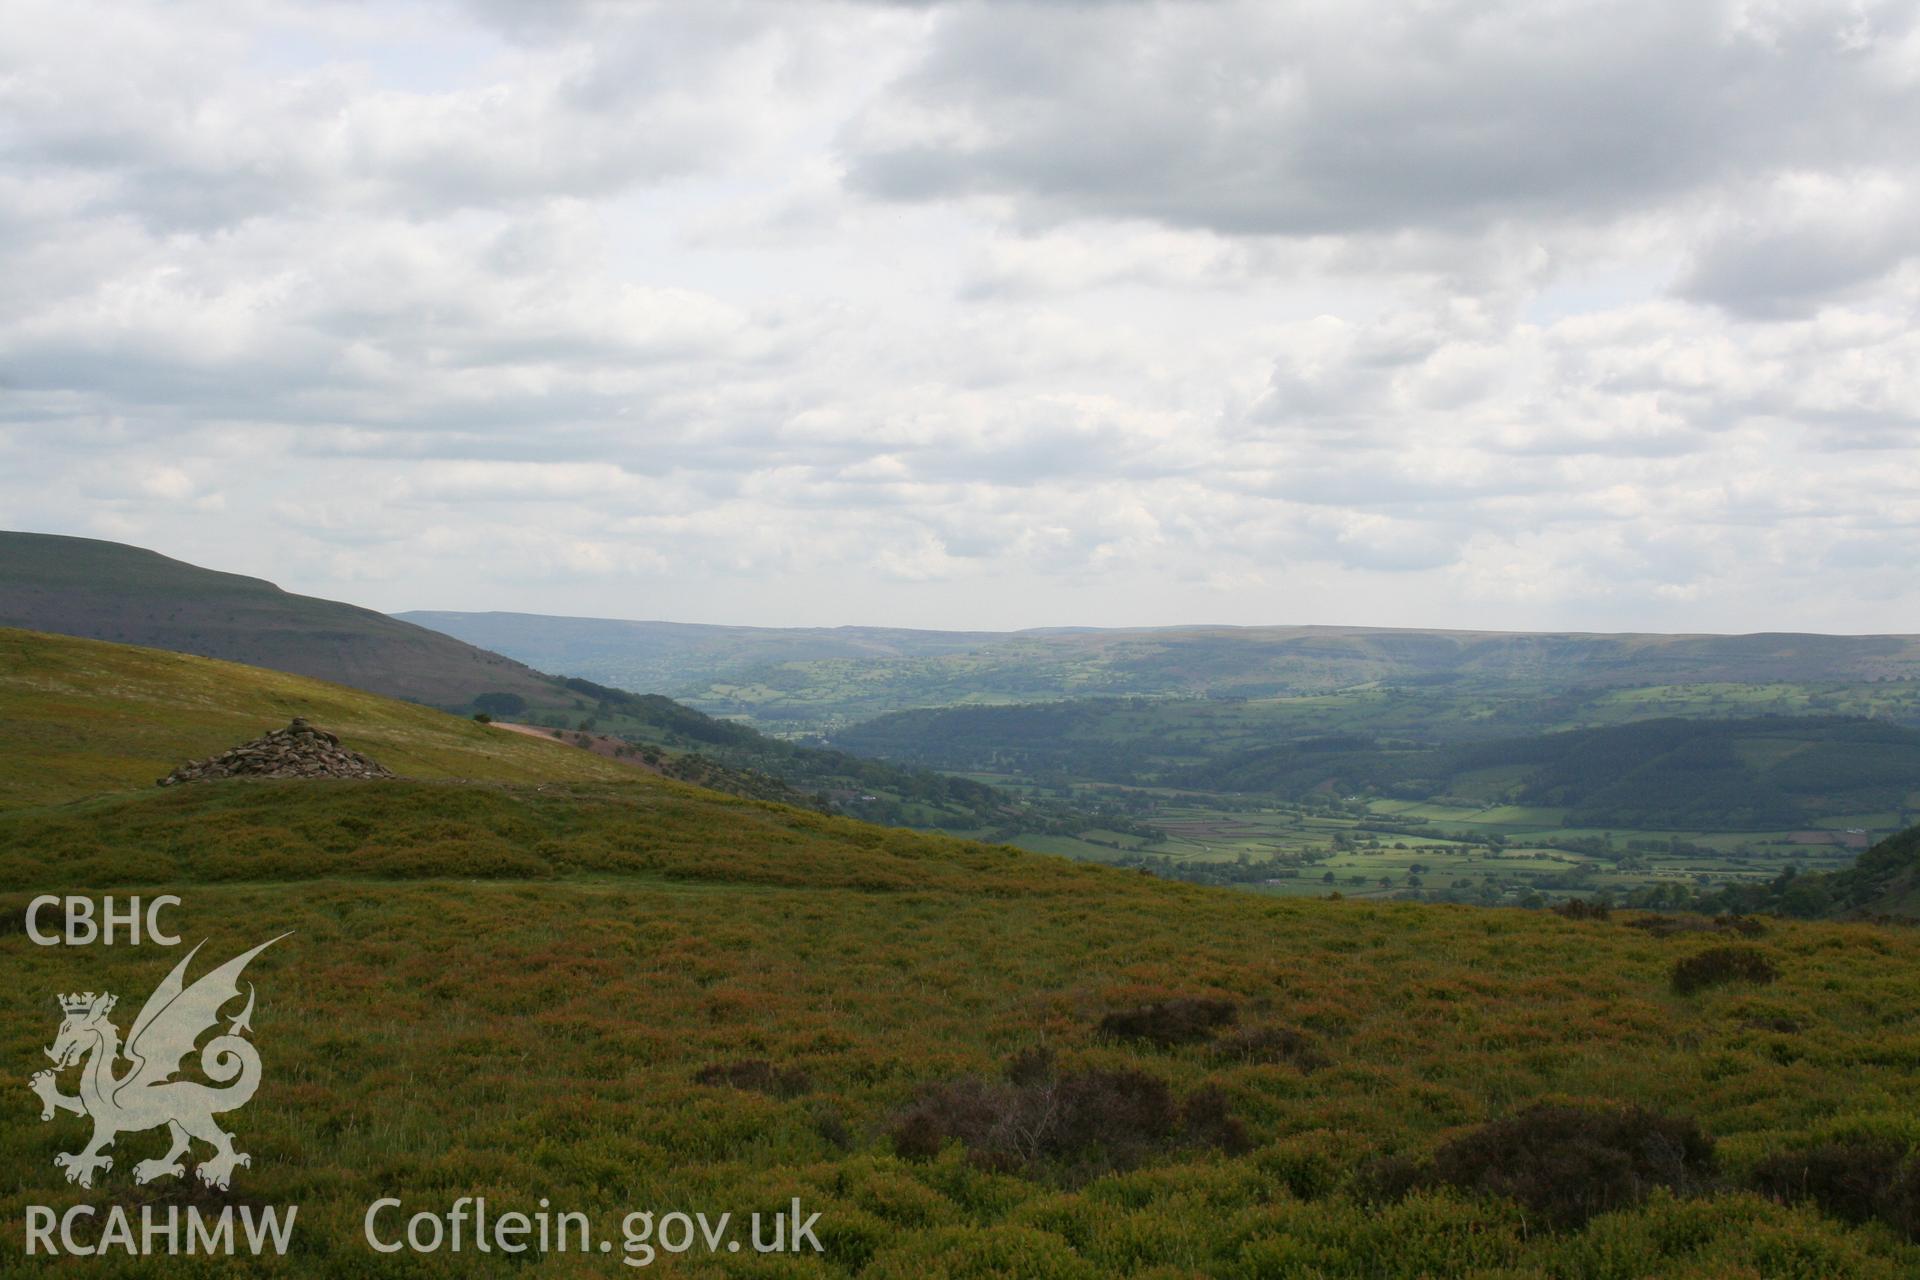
(297, 751)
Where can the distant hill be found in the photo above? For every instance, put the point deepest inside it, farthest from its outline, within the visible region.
(814, 677)
(109, 591)
(662, 657)
(1658, 773)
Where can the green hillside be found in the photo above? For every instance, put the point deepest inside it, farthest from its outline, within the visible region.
(1884, 882)
(82, 717)
(104, 590)
(969, 1061)
(1660, 773)
(109, 591)
(1756, 774)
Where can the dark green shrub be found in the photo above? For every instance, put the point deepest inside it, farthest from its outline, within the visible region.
(1859, 1181)
(1390, 1179)
(1668, 926)
(1721, 965)
(1565, 1164)
(1081, 1123)
(1170, 1022)
(758, 1076)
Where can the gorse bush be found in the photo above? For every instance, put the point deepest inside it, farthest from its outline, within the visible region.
(1860, 1180)
(1167, 1023)
(1722, 965)
(1565, 1164)
(1583, 909)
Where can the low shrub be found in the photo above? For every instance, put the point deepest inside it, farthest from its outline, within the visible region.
(1274, 1046)
(1208, 1121)
(1777, 1023)
(1167, 1023)
(1583, 909)
(1720, 965)
(757, 1076)
(1081, 1123)
(831, 1124)
(1565, 1164)
(1859, 1181)
(1668, 926)
(1390, 1179)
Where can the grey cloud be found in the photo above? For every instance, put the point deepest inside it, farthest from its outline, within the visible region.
(1284, 119)
(1787, 266)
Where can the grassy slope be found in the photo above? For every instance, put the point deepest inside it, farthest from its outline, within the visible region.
(109, 591)
(81, 717)
(506, 990)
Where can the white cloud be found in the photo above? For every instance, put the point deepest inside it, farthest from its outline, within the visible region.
(979, 315)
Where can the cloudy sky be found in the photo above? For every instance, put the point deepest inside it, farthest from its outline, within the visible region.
(1533, 315)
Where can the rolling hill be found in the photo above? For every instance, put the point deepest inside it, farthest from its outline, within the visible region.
(817, 678)
(109, 591)
(1753, 774)
(626, 995)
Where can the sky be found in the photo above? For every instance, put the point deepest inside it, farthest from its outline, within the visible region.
(1535, 316)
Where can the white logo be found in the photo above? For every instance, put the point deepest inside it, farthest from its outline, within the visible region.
(143, 1097)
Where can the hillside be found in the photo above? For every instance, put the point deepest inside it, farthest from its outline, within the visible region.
(82, 717)
(1883, 882)
(1652, 774)
(825, 678)
(109, 591)
(969, 1061)
(78, 586)
(1657, 773)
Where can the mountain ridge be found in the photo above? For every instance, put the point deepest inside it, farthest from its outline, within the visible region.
(101, 590)
(810, 677)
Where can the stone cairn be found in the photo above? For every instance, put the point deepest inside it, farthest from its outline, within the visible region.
(297, 751)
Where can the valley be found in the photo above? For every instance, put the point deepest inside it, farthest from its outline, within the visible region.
(1451, 766)
(643, 972)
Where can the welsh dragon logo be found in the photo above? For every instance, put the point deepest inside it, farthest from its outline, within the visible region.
(143, 1096)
